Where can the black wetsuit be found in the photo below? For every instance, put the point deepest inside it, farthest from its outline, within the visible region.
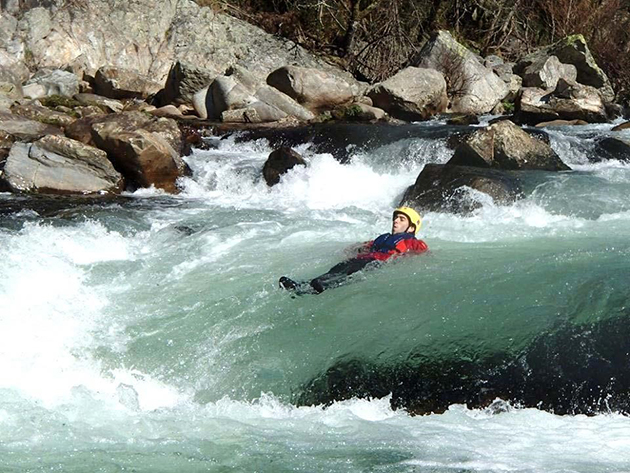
(379, 250)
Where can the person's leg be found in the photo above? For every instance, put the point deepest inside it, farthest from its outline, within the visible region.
(338, 274)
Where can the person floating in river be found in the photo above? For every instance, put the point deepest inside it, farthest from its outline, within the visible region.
(406, 223)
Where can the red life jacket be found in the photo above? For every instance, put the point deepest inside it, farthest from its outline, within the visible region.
(388, 245)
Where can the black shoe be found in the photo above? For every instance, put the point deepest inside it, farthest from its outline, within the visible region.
(318, 286)
(288, 284)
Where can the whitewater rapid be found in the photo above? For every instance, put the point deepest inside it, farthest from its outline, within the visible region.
(149, 333)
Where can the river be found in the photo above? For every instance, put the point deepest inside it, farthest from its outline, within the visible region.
(147, 333)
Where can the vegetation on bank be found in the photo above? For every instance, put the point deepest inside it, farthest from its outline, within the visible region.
(375, 38)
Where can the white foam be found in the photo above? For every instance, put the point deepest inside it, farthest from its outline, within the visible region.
(50, 314)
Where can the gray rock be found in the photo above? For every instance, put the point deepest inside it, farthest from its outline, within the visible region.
(149, 36)
(561, 123)
(56, 164)
(6, 104)
(246, 78)
(533, 106)
(505, 145)
(24, 129)
(202, 102)
(463, 119)
(574, 50)
(493, 61)
(447, 188)
(105, 103)
(279, 162)
(545, 73)
(241, 115)
(35, 111)
(118, 83)
(228, 94)
(569, 101)
(412, 94)
(314, 89)
(575, 101)
(504, 71)
(183, 82)
(10, 85)
(54, 82)
(472, 87)
(276, 99)
(8, 27)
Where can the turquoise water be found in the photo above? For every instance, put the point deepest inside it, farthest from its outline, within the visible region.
(148, 333)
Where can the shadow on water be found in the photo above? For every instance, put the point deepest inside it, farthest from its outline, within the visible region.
(572, 369)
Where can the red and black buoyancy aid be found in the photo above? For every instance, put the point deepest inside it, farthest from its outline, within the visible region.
(388, 245)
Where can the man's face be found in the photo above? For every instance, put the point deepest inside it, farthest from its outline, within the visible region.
(400, 223)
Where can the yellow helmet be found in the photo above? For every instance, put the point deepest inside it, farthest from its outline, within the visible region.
(412, 215)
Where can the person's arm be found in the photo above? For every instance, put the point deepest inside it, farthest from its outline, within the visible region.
(359, 248)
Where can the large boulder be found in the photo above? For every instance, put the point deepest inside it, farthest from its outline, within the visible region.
(84, 129)
(279, 162)
(51, 82)
(183, 82)
(147, 36)
(505, 145)
(574, 50)
(119, 83)
(615, 148)
(449, 188)
(412, 94)
(575, 101)
(23, 129)
(314, 89)
(59, 165)
(229, 100)
(144, 158)
(228, 94)
(274, 99)
(545, 72)
(472, 87)
(569, 101)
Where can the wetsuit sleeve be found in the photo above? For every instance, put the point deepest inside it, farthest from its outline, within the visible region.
(365, 247)
(411, 246)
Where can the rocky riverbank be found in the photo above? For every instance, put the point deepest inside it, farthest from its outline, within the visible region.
(96, 99)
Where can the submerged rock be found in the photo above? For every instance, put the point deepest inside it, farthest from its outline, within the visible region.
(279, 162)
(447, 188)
(573, 369)
(613, 148)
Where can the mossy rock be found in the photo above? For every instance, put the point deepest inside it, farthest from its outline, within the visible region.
(54, 101)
